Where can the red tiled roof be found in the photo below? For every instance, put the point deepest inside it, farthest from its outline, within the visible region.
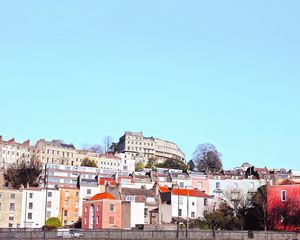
(288, 182)
(110, 156)
(164, 189)
(100, 196)
(189, 192)
(103, 180)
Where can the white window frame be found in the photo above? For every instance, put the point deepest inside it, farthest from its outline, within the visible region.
(283, 191)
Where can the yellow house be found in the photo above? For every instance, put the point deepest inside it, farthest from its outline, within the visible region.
(10, 208)
(69, 205)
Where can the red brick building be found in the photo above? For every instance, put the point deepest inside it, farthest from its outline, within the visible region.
(102, 211)
(284, 206)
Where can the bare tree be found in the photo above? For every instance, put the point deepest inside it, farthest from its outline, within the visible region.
(107, 141)
(93, 148)
(207, 158)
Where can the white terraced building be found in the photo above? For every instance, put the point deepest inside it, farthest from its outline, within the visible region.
(144, 148)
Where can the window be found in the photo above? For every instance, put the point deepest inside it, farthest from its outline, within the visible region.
(29, 216)
(145, 212)
(85, 221)
(12, 196)
(111, 220)
(48, 214)
(181, 185)
(205, 202)
(49, 204)
(97, 220)
(180, 199)
(10, 218)
(88, 191)
(30, 205)
(65, 213)
(283, 195)
(67, 194)
(85, 209)
(77, 194)
(218, 185)
(252, 185)
(192, 214)
(12, 207)
(30, 195)
(193, 203)
(179, 212)
(76, 213)
(0, 195)
(112, 207)
(130, 198)
(199, 185)
(49, 194)
(10, 225)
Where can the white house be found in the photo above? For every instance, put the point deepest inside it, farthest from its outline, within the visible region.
(35, 205)
(33, 208)
(132, 213)
(190, 203)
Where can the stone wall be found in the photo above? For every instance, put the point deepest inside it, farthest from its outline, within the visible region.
(129, 235)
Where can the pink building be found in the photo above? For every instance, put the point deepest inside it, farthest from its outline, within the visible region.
(199, 181)
(102, 211)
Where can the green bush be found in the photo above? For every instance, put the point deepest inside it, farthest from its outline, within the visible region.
(53, 222)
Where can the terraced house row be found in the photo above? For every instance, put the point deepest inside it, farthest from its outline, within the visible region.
(132, 147)
(128, 199)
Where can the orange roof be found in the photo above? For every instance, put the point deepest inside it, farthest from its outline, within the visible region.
(101, 196)
(164, 189)
(189, 192)
(103, 180)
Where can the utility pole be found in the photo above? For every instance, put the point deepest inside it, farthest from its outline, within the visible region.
(177, 231)
(187, 216)
(213, 222)
(46, 199)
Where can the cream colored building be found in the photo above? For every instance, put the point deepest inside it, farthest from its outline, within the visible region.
(12, 152)
(10, 208)
(144, 148)
(55, 152)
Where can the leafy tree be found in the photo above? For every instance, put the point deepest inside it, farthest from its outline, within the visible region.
(114, 148)
(139, 166)
(174, 164)
(78, 224)
(86, 162)
(26, 173)
(224, 218)
(53, 222)
(256, 214)
(207, 158)
(150, 163)
(191, 165)
(287, 214)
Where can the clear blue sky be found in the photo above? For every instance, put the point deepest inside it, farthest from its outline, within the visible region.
(223, 72)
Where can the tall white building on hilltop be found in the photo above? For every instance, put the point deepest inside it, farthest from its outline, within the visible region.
(145, 148)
